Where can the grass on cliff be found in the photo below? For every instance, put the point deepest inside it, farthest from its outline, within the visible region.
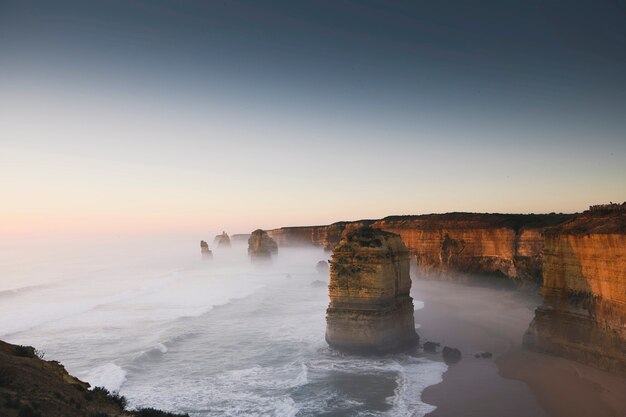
(122, 402)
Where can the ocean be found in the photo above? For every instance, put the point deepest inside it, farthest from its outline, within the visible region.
(168, 329)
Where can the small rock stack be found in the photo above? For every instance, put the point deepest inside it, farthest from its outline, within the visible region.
(222, 241)
(261, 245)
(204, 249)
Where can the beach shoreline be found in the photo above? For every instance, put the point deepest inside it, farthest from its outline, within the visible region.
(515, 382)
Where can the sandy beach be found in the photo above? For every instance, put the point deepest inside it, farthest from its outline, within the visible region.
(515, 382)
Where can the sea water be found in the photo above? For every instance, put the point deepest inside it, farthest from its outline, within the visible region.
(169, 329)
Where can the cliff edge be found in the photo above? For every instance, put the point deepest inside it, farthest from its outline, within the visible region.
(583, 314)
(33, 387)
(509, 245)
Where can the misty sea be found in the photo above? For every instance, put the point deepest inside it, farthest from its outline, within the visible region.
(168, 329)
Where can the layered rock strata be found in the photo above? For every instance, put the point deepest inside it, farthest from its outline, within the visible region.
(204, 249)
(222, 241)
(261, 245)
(370, 308)
(583, 315)
(505, 244)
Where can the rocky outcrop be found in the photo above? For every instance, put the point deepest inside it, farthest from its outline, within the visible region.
(583, 314)
(451, 355)
(204, 249)
(505, 244)
(261, 245)
(222, 241)
(322, 267)
(31, 386)
(370, 307)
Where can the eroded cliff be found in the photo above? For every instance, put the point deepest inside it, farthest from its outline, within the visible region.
(583, 315)
(506, 244)
(370, 307)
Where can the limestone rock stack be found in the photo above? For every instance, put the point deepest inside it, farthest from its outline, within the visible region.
(204, 249)
(222, 241)
(370, 307)
(583, 314)
(261, 245)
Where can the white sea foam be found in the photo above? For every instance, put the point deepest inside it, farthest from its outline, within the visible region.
(414, 375)
(211, 338)
(109, 376)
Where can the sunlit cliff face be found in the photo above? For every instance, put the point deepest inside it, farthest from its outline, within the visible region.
(584, 292)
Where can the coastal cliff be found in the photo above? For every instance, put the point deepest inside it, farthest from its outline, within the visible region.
(505, 244)
(370, 307)
(583, 314)
(33, 387)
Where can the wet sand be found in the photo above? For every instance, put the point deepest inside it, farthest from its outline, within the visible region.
(514, 383)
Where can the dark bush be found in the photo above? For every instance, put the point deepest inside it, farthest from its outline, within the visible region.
(6, 376)
(27, 411)
(153, 412)
(11, 402)
(24, 351)
(118, 399)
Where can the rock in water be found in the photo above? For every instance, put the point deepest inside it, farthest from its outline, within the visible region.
(451, 355)
(261, 245)
(204, 249)
(431, 347)
(370, 307)
(322, 267)
(222, 241)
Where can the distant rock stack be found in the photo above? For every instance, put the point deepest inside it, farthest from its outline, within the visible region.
(261, 245)
(370, 307)
(222, 241)
(322, 267)
(204, 249)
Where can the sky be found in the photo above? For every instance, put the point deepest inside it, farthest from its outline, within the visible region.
(189, 117)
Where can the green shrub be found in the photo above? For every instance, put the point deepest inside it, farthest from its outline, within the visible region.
(118, 399)
(24, 351)
(153, 412)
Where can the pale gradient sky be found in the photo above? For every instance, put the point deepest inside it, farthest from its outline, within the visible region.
(133, 117)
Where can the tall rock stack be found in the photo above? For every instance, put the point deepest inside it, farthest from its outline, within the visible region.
(261, 245)
(583, 314)
(204, 249)
(222, 241)
(370, 307)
